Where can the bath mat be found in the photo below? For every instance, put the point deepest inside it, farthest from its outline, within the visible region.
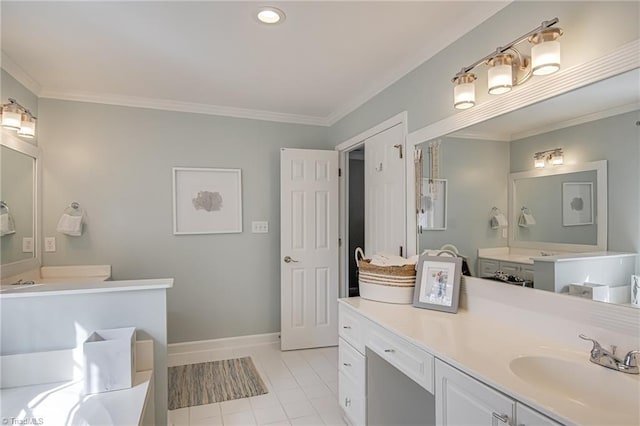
(216, 381)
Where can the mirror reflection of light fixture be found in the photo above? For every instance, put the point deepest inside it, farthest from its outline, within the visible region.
(16, 117)
(507, 67)
(554, 157)
(464, 91)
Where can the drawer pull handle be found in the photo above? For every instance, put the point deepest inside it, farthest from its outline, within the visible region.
(346, 364)
(347, 402)
(348, 327)
(501, 417)
(390, 350)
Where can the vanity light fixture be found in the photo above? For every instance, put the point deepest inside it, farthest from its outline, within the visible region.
(270, 15)
(16, 117)
(507, 67)
(552, 156)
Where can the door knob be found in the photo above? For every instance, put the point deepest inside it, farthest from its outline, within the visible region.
(288, 259)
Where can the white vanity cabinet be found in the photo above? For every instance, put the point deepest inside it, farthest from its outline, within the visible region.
(352, 366)
(461, 399)
(487, 267)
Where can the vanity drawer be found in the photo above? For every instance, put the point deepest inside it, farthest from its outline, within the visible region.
(487, 268)
(406, 357)
(352, 364)
(351, 328)
(352, 401)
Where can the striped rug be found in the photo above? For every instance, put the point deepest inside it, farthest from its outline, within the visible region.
(217, 381)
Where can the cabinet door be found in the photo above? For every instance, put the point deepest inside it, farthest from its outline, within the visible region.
(526, 272)
(487, 268)
(461, 400)
(352, 400)
(528, 417)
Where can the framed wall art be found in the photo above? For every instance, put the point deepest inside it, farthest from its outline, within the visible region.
(206, 201)
(577, 203)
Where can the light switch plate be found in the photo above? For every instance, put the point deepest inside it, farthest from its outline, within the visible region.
(27, 245)
(260, 227)
(50, 244)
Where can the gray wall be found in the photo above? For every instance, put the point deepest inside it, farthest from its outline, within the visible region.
(615, 139)
(543, 196)
(427, 93)
(476, 173)
(16, 189)
(116, 162)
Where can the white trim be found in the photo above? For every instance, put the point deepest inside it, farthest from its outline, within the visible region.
(222, 343)
(601, 209)
(11, 141)
(356, 141)
(622, 109)
(15, 71)
(344, 148)
(179, 106)
(622, 59)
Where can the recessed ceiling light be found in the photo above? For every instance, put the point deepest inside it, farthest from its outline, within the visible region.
(270, 15)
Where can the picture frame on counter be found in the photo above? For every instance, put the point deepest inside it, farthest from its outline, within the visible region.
(438, 283)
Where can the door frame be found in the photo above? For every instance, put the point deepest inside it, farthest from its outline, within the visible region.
(343, 149)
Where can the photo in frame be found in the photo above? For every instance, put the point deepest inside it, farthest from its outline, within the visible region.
(438, 283)
(577, 203)
(206, 201)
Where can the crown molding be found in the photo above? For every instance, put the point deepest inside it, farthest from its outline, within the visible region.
(19, 74)
(179, 106)
(617, 61)
(461, 27)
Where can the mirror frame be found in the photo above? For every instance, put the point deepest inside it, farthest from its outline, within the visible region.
(11, 141)
(617, 61)
(600, 168)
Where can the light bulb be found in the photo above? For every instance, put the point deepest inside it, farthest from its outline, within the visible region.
(545, 52)
(464, 91)
(500, 74)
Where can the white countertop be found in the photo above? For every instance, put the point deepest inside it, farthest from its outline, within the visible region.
(484, 347)
(58, 286)
(65, 403)
(571, 257)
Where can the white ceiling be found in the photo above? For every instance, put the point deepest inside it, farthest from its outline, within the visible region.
(324, 61)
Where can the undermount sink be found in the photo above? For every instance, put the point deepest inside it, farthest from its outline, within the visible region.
(578, 381)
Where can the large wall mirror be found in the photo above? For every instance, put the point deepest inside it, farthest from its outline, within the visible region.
(19, 229)
(491, 165)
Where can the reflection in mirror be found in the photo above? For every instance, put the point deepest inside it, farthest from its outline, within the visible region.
(567, 206)
(17, 183)
(595, 123)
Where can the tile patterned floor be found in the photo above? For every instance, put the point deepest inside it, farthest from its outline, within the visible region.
(303, 389)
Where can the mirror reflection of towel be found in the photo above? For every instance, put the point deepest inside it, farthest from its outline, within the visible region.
(70, 225)
(6, 224)
(526, 220)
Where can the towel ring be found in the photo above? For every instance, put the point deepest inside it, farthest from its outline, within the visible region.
(74, 209)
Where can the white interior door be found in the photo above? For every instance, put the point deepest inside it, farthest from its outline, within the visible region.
(308, 248)
(385, 192)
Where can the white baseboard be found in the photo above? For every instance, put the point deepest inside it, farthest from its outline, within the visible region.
(224, 343)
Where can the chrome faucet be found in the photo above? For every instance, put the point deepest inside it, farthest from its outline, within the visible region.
(608, 359)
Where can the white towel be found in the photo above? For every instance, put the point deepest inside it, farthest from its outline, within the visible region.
(6, 224)
(70, 225)
(499, 221)
(392, 260)
(526, 220)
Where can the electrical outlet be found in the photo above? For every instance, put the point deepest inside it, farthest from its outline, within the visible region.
(504, 233)
(50, 244)
(27, 245)
(261, 227)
